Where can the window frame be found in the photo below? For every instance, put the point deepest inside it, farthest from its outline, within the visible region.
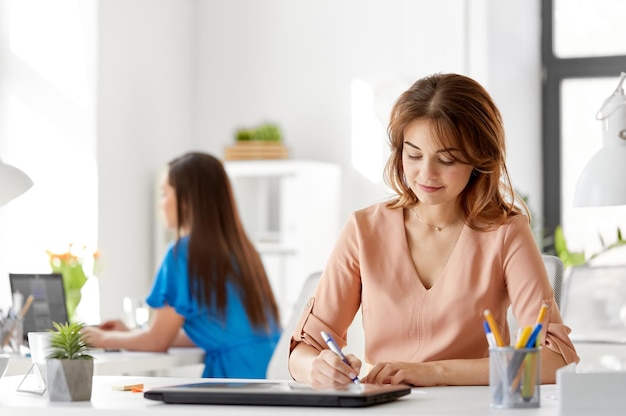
(555, 71)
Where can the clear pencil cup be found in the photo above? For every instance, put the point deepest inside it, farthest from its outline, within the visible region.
(12, 335)
(514, 377)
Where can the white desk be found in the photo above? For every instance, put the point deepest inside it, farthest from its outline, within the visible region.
(467, 401)
(440, 401)
(594, 356)
(128, 362)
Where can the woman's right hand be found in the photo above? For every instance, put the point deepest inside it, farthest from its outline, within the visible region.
(328, 370)
(113, 325)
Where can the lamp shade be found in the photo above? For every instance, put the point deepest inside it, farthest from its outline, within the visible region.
(603, 180)
(13, 183)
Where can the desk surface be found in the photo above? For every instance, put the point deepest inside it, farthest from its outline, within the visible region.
(466, 401)
(422, 401)
(126, 362)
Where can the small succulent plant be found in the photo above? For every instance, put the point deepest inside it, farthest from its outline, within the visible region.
(68, 343)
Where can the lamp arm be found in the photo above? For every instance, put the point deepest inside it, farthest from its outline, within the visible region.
(620, 88)
(613, 101)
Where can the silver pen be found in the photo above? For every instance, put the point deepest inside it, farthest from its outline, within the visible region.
(335, 348)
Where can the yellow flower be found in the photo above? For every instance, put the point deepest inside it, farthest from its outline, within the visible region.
(70, 264)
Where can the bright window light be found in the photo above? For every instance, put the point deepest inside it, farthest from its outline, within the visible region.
(47, 130)
(369, 145)
(48, 36)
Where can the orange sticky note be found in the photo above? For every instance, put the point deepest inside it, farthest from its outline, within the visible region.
(127, 387)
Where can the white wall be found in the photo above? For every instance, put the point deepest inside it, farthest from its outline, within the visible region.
(182, 74)
(514, 80)
(293, 63)
(145, 117)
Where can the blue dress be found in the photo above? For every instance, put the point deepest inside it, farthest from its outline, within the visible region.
(234, 349)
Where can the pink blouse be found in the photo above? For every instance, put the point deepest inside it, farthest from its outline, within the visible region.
(402, 320)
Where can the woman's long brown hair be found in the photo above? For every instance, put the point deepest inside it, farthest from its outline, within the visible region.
(219, 248)
(461, 114)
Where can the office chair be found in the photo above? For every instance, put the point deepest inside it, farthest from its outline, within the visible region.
(554, 267)
(277, 368)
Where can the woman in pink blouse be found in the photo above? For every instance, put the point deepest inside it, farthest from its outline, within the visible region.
(425, 265)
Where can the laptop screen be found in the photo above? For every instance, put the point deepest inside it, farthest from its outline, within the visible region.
(48, 300)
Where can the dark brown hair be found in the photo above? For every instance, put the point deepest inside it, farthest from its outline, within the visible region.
(460, 114)
(219, 249)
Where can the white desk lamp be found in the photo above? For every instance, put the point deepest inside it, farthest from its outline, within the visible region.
(13, 183)
(603, 181)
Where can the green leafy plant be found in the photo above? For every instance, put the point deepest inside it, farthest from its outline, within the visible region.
(68, 342)
(571, 258)
(244, 135)
(71, 264)
(266, 132)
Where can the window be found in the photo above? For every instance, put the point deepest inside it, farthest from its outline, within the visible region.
(589, 28)
(369, 145)
(583, 54)
(47, 129)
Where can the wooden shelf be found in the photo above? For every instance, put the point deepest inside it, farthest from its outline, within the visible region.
(256, 150)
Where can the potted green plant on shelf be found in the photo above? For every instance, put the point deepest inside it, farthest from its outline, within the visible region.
(265, 132)
(69, 364)
(261, 142)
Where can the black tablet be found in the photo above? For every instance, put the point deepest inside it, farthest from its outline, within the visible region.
(276, 393)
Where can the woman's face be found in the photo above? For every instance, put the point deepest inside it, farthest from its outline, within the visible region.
(168, 203)
(436, 175)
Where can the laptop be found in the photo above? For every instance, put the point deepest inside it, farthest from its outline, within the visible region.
(275, 393)
(48, 300)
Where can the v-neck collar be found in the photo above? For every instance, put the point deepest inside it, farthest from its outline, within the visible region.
(411, 266)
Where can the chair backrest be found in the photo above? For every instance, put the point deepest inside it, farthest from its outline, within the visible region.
(554, 267)
(277, 368)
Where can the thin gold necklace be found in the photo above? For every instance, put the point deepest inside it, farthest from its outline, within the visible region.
(434, 227)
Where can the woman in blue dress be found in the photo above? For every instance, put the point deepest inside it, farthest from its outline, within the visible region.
(211, 290)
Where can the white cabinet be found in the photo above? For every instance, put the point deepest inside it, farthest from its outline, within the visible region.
(290, 209)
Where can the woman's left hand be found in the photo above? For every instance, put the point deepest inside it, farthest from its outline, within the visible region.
(414, 374)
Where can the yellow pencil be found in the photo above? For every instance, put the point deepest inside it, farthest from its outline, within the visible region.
(542, 312)
(530, 360)
(494, 329)
(523, 337)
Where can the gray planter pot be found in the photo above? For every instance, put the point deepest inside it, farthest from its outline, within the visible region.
(69, 380)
